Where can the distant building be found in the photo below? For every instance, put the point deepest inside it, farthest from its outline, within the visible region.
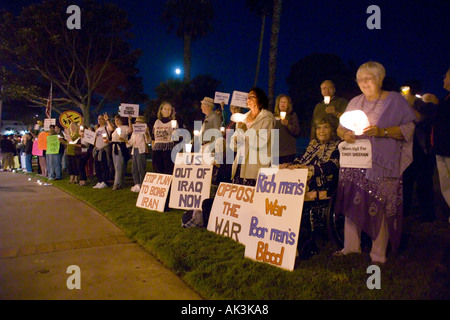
(12, 127)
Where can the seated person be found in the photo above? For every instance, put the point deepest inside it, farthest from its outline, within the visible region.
(321, 158)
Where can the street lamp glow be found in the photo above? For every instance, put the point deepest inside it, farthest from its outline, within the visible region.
(178, 71)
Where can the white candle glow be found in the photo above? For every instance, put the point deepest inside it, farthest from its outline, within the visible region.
(222, 129)
(355, 120)
(282, 115)
(196, 133)
(326, 99)
(174, 124)
(238, 117)
(188, 147)
(119, 131)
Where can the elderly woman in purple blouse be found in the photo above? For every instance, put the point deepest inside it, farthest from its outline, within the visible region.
(371, 199)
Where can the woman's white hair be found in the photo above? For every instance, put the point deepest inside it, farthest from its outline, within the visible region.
(374, 68)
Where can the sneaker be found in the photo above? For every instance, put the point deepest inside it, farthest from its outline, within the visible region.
(138, 188)
(133, 188)
(97, 185)
(103, 185)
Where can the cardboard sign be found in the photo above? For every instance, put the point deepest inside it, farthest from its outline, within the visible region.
(48, 122)
(139, 127)
(231, 211)
(53, 144)
(126, 110)
(191, 181)
(67, 117)
(89, 136)
(42, 140)
(275, 222)
(154, 191)
(356, 155)
(221, 97)
(36, 151)
(239, 99)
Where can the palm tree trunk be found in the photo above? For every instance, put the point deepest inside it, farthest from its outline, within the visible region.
(277, 6)
(187, 56)
(261, 40)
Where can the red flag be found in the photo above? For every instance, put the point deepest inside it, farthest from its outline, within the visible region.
(48, 108)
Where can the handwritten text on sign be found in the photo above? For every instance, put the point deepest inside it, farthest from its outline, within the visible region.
(231, 211)
(191, 181)
(154, 191)
(275, 224)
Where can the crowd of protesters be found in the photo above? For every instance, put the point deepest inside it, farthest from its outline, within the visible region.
(409, 136)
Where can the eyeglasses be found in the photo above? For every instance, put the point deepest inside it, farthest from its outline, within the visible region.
(366, 79)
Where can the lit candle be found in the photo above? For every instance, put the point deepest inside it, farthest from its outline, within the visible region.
(282, 115)
(326, 99)
(81, 128)
(174, 124)
(119, 131)
(418, 96)
(222, 129)
(188, 147)
(405, 89)
(104, 136)
(196, 133)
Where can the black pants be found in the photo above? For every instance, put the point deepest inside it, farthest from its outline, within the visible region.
(162, 161)
(102, 167)
(419, 176)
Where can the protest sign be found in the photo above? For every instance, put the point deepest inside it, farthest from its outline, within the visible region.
(126, 110)
(356, 155)
(221, 97)
(139, 127)
(52, 144)
(154, 191)
(275, 222)
(231, 211)
(239, 99)
(69, 116)
(36, 151)
(48, 122)
(89, 136)
(191, 181)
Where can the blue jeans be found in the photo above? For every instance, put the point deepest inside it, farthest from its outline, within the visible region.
(28, 164)
(54, 171)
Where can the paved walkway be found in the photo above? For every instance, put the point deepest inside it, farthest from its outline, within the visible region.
(44, 230)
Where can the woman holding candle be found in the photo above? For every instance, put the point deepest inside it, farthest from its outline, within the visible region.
(253, 148)
(162, 142)
(288, 128)
(73, 152)
(120, 154)
(371, 199)
(100, 152)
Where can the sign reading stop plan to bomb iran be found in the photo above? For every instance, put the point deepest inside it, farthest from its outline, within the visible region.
(191, 181)
(356, 155)
(154, 191)
(127, 110)
(231, 211)
(275, 223)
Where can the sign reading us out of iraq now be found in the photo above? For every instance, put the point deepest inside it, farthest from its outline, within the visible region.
(274, 223)
(191, 181)
(154, 191)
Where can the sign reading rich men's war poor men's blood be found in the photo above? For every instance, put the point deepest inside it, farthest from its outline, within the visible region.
(154, 191)
(191, 181)
(231, 211)
(275, 224)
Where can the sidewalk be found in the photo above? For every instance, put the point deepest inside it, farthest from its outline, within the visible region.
(43, 231)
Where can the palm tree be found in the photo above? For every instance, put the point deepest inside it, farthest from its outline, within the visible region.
(191, 20)
(262, 8)
(277, 6)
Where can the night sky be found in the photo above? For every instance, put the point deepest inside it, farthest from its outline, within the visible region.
(413, 42)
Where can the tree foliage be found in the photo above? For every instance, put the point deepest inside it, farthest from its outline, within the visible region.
(88, 67)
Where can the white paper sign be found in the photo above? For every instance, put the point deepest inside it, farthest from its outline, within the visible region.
(126, 110)
(239, 99)
(221, 97)
(48, 122)
(139, 127)
(154, 191)
(191, 181)
(89, 136)
(275, 223)
(356, 155)
(231, 211)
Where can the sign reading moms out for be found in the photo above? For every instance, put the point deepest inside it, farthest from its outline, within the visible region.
(191, 181)
(154, 191)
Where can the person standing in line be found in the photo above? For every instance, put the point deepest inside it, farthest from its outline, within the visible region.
(100, 152)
